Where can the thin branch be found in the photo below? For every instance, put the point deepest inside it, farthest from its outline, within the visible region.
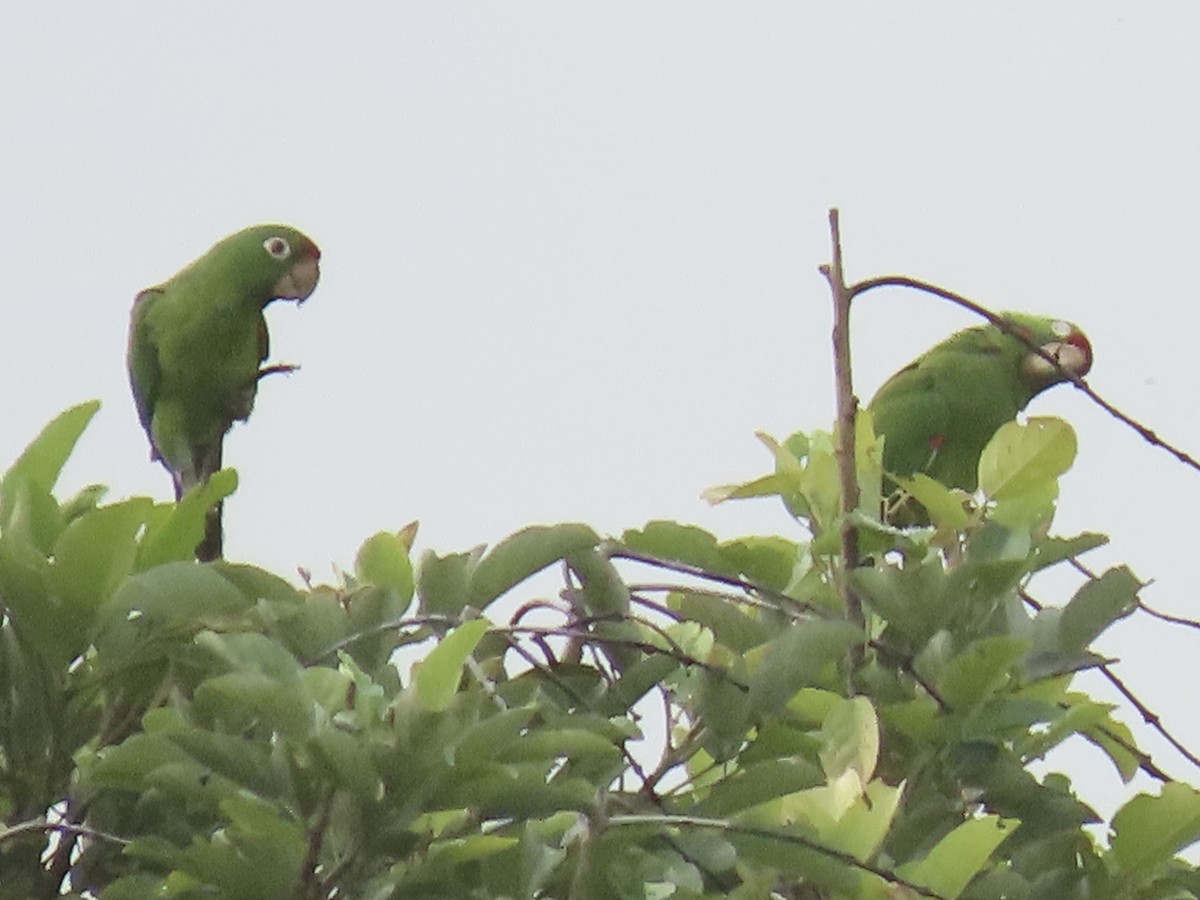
(784, 601)
(847, 408)
(1150, 717)
(846, 433)
(42, 826)
(1167, 617)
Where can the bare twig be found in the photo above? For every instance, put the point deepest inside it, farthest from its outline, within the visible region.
(1168, 617)
(34, 826)
(847, 414)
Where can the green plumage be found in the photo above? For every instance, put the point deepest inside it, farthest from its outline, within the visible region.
(196, 343)
(938, 413)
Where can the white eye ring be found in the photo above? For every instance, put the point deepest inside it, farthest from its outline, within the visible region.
(1061, 329)
(278, 247)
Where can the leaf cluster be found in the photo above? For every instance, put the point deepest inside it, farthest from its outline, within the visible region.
(680, 716)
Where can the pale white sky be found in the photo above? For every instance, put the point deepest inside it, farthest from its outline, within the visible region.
(570, 250)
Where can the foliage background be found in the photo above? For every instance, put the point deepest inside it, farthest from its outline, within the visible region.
(182, 730)
(570, 254)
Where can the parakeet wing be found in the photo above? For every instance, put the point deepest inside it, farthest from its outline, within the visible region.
(145, 370)
(913, 415)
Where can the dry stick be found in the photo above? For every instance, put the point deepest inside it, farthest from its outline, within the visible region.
(1147, 434)
(1167, 617)
(847, 412)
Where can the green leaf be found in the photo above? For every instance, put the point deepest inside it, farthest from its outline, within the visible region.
(347, 763)
(44, 458)
(981, 670)
(1021, 458)
(850, 738)
(457, 851)
(769, 561)
(730, 625)
(601, 588)
(1096, 605)
(524, 553)
(127, 765)
(1054, 549)
(944, 505)
(753, 785)
(84, 501)
(444, 582)
(438, 674)
(796, 659)
(24, 585)
(244, 761)
(91, 557)
(177, 592)
(868, 463)
(600, 756)
(383, 561)
(862, 827)
(960, 855)
(241, 700)
(772, 485)
(258, 856)
(32, 514)
(636, 680)
(820, 483)
(1029, 508)
(1115, 739)
(172, 537)
(1148, 831)
(679, 543)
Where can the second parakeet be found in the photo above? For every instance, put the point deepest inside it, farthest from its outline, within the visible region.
(938, 413)
(196, 347)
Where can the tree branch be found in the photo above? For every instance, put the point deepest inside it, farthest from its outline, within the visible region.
(847, 415)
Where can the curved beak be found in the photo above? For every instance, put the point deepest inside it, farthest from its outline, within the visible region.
(1073, 355)
(299, 281)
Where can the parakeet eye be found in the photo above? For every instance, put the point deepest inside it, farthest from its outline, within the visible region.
(277, 247)
(1061, 329)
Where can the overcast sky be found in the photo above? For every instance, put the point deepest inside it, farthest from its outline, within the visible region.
(570, 251)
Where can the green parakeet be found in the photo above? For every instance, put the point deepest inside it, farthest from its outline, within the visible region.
(938, 413)
(196, 344)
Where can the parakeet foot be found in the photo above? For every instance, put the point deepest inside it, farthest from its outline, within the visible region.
(280, 368)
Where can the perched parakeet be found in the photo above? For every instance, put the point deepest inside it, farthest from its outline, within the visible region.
(196, 343)
(939, 412)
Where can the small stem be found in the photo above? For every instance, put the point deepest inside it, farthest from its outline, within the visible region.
(847, 415)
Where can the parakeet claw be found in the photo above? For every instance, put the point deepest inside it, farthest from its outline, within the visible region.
(277, 369)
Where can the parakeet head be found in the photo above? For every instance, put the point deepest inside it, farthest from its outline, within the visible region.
(274, 262)
(1062, 341)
